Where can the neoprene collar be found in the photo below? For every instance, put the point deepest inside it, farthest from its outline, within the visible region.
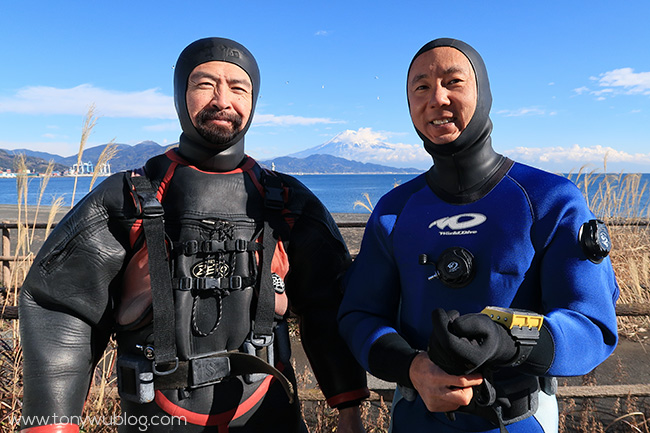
(467, 168)
(193, 147)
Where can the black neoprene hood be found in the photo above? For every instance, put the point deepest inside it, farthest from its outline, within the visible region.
(467, 168)
(208, 50)
(480, 126)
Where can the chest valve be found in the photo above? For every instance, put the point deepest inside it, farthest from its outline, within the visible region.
(454, 268)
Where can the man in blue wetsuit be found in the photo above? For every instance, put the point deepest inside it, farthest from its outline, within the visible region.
(477, 230)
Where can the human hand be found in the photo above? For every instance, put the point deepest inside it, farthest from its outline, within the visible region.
(463, 344)
(350, 421)
(441, 392)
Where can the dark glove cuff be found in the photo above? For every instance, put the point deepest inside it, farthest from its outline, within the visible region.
(390, 359)
(541, 356)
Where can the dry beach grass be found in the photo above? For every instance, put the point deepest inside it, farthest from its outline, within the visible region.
(617, 198)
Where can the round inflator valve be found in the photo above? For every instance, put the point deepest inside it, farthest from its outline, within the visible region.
(456, 267)
(594, 240)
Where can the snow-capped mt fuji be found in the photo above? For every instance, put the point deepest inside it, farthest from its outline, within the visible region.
(366, 145)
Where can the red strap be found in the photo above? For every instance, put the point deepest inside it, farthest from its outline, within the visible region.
(52, 428)
(174, 156)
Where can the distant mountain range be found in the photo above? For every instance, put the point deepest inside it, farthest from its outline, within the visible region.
(127, 157)
(329, 164)
(348, 152)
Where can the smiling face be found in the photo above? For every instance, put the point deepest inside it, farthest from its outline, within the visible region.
(442, 94)
(219, 100)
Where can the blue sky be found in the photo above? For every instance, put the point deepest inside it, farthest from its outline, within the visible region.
(570, 80)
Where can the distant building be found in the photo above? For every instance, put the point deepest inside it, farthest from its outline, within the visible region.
(89, 168)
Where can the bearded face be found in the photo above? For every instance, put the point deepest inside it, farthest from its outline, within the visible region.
(217, 126)
(219, 100)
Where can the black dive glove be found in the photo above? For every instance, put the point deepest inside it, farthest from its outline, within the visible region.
(464, 344)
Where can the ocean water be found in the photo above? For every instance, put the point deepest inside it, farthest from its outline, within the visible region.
(338, 192)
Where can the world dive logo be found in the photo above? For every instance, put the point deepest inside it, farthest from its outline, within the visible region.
(459, 224)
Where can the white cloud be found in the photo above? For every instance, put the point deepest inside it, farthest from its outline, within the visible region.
(290, 120)
(322, 33)
(145, 104)
(633, 82)
(531, 111)
(365, 136)
(576, 154)
(602, 92)
(623, 81)
(581, 90)
(148, 103)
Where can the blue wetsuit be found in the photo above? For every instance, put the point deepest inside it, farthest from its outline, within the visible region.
(524, 237)
(522, 226)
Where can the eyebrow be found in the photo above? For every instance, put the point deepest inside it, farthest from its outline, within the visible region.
(448, 71)
(201, 74)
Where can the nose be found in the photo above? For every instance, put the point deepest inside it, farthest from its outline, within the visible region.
(439, 96)
(221, 98)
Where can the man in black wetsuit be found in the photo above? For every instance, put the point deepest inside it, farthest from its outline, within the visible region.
(192, 263)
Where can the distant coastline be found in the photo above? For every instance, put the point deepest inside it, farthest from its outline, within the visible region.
(352, 174)
(292, 173)
(15, 175)
(128, 157)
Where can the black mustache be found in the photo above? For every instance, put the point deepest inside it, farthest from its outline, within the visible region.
(206, 115)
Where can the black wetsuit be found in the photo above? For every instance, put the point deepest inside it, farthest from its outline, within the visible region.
(90, 280)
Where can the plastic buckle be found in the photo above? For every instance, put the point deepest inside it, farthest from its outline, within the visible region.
(191, 248)
(236, 282)
(208, 283)
(151, 207)
(209, 370)
(210, 246)
(185, 283)
(240, 245)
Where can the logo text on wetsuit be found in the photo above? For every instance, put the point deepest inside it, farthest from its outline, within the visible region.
(459, 224)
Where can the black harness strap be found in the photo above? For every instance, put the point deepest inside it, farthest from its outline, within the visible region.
(262, 332)
(261, 337)
(161, 288)
(262, 329)
(237, 364)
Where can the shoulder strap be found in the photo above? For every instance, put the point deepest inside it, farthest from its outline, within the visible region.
(262, 329)
(161, 289)
(273, 195)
